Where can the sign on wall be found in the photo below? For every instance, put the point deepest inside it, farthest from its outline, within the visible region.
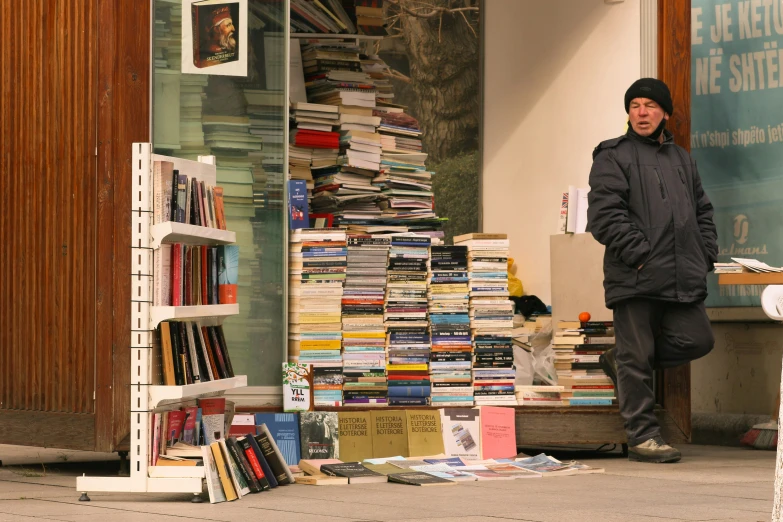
(737, 130)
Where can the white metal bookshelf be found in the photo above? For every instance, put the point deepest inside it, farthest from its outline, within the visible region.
(146, 394)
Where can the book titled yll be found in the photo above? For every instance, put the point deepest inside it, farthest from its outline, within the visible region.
(296, 387)
(298, 214)
(216, 39)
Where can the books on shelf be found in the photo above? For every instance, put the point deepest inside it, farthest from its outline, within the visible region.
(183, 199)
(193, 353)
(195, 275)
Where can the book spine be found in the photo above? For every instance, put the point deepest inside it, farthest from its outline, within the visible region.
(278, 467)
(241, 462)
(270, 477)
(250, 455)
(176, 270)
(157, 192)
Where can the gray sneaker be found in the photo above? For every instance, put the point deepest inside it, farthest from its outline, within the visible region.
(653, 450)
(608, 363)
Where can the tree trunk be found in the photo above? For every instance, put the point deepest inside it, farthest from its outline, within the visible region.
(444, 62)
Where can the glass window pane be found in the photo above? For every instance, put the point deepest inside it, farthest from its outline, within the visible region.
(241, 121)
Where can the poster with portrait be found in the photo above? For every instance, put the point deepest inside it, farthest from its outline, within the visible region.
(214, 37)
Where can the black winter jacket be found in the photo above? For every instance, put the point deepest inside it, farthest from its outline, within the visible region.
(647, 206)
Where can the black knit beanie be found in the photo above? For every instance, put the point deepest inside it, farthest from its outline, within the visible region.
(652, 89)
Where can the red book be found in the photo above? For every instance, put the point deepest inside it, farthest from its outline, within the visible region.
(175, 426)
(251, 457)
(187, 299)
(204, 266)
(189, 434)
(498, 434)
(176, 274)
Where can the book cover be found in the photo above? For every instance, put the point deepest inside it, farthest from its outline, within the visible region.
(354, 472)
(319, 435)
(167, 355)
(213, 418)
(419, 479)
(223, 472)
(155, 439)
(237, 454)
(174, 426)
(298, 216)
(214, 37)
(215, 488)
(268, 473)
(252, 459)
(356, 440)
(498, 433)
(563, 217)
(424, 433)
(242, 424)
(228, 273)
(297, 393)
(461, 432)
(273, 456)
(189, 433)
(162, 274)
(284, 428)
(237, 479)
(389, 433)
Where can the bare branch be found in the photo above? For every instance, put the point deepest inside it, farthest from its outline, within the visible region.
(433, 10)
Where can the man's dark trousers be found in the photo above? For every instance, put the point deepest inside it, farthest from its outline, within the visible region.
(649, 335)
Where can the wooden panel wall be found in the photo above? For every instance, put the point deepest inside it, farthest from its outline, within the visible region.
(47, 220)
(74, 95)
(674, 68)
(124, 118)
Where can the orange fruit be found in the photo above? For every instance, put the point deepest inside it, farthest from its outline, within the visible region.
(584, 317)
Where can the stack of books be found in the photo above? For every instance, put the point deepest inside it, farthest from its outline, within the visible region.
(539, 395)
(577, 349)
(316, 276)
(491, 318)
(264, 109)
(364, 336)
(405, 315)
(191, 132)
(450, 363)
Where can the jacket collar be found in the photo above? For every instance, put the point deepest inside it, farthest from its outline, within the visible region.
(668, 137)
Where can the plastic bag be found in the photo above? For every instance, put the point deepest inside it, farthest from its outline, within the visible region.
(514, 284)
(543, 357)
(523, 367)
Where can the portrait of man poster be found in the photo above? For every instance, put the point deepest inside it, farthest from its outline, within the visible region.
(214, 37)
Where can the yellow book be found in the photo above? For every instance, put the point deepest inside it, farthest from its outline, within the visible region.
(364, 335)
(424, 433)
(356, 441)
(225, 480)
(320, 345)
(407, 367)
(389, 434)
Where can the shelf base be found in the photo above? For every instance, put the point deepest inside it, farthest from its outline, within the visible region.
(139, 485)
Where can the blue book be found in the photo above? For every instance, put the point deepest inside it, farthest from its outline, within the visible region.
(454, 462)
(298, 213)
(284, 428)
(408, 391)
(589, 402)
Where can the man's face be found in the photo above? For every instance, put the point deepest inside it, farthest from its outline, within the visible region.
(645, 116)
(225, 34)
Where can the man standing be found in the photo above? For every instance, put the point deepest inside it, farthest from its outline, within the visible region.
(647, 207)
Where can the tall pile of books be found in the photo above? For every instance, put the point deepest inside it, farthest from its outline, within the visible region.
(577, 349)
(317, 265)
(264, 109)
(405, 315)
(491, 318)
(364, 336)
(451, 357)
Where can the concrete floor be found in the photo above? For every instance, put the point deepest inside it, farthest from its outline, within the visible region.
(711, 483)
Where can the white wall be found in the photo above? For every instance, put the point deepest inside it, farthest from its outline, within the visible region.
(555, 75)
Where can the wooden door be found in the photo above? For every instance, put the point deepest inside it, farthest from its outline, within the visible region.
(74, 94)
